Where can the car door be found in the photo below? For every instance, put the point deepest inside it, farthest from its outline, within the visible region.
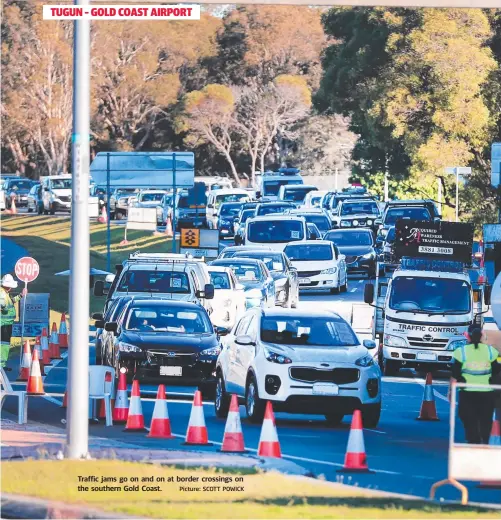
(269, 286)
(233, 383)
(238, 295)
(292, 275)
(247, 353)
(341, 264)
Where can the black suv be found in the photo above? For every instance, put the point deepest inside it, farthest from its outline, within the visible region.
(355, 212)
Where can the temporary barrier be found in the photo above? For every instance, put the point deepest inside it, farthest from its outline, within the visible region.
(470, 462)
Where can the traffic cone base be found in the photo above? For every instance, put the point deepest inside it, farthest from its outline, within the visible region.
(428, 409)
(197, 435)
(269, 446)
(135, 419)
(355, 460)
(160, 422)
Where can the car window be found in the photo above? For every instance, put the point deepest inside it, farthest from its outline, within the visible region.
(309, 252)
(163, 318)
(252, 329)
(155, 282)
(220, 280)
(241, 328)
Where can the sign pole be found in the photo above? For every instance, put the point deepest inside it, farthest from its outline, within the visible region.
(457, 193)
(77, 433)
(25, 297)
(174, 193)
(108, 226)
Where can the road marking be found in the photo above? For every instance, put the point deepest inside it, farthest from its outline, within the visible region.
(353, 290)
(375, 431)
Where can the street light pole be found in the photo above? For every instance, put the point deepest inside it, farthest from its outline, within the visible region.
(457, 194)
(78, 354)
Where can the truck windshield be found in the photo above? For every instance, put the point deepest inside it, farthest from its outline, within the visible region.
(430, 295)
(296, 194)
(273, 187)
(267, 231)
(395, 214)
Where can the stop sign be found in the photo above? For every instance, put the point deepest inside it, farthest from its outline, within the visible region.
(27, 269)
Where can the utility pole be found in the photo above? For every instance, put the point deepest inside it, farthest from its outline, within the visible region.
(336, 179)
(439, 188)
(457, 193)
(78, 356)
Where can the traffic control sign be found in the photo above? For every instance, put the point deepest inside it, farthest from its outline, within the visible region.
(190, 237)
(27, 269)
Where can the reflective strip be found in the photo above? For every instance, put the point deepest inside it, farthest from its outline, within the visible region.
(493, 354)
(476, 372)
(463, 354)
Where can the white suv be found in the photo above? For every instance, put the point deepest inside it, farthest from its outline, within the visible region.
(275, 231)
(303, 362)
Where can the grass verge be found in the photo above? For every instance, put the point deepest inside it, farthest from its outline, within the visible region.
(48, 239)
(267, 495)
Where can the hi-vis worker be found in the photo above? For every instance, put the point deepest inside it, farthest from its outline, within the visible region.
(8, 314)
(476, 364)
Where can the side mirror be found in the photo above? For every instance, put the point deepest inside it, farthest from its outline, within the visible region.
(97, 316)
(99, 288)
(46, 189)
(210, 206)
(109, 278)
(369, 343)
(111, 326)
(221, 331)
(436, 219)
(99, 324)
(258, 194)
(207, 293)
(244, 340)
(487, 294)
(378, 221)
(369, 293)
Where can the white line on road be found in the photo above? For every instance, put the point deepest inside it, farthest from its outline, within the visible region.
(353, 290)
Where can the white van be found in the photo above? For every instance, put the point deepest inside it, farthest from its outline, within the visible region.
(56, 193)
(216, 197)
(275, 231)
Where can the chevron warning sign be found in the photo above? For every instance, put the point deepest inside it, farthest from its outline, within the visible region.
(190, 237)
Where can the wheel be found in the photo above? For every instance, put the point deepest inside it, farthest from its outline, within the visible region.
(52, 211)
(119, 215)
(335, 290)
(222, 399)
(370, 415)
(295, 301)
(254, 405)
(334, 418)
(29, 209)
(390, 368)
(344, 288)
(40, 210)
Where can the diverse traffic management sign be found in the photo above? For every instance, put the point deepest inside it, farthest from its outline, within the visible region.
(200, 242)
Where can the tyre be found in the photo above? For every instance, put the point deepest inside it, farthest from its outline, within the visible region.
(40, 210)
(222, 399)
(334, 419)
(30, 210)
(335, 290)
(295, 301)
(52, 211)
(254, 405)
(344, 288)
(119, 214)
(370, 415)
(390, 368)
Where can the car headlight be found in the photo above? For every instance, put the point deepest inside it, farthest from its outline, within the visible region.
(214, 351)
(394, 341)
(345, 223)
(355, 222)
(331, 270)
(227, 303)
(369, 222)
(127, 347)
(457, 343)
(365, 361)
(368, 256)
(225, 222)
(274, 357)
(253, 293)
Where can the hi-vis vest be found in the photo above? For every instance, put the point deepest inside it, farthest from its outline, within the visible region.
(8, 314)
(477, 362)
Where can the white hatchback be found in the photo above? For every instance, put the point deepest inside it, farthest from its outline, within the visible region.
(303, 362)
(319, 266)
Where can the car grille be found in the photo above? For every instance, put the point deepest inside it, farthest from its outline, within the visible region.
(307, 274)
(64, 198)
(351, 259)
(436, 343)
(339, 376)
(179, 360)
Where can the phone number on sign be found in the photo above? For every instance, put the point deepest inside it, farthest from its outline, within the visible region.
(436, 250)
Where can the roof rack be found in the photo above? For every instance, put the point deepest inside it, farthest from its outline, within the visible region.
(161, 258)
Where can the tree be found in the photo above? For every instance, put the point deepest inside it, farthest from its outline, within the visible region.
(209, 116)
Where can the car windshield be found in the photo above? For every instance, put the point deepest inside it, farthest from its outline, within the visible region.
(220, 280)
(296, 194)
(269, 231)
(307, 331)
(230, 197)
(309, 252)
(230, 209)
(425, 295)
(360, 208)
(155, 282)
(269, 209)
(246, 214)
(394, 214)
(321, 221)
(156, 318)
(122, 192)
(390, 236)
(315, 200)
(246, 272)
(183, 202)
(273, 261)
(61, 184)
(151, 197)
(19, 185)
(273, 187)
(350, 238)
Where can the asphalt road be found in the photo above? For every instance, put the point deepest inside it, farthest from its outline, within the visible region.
(405, 455)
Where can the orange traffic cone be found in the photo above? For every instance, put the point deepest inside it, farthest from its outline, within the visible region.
(269, 446)
(13, 209)
(38, 346)
(197, 431)
(168, 227)
(45, 347)
(356, 460)
(35, 383)
(24, 369)
(121, 410)
(54, 351)
(102, 407)
(160, 422)
(233, 440)
(495, 438)
(428, 409)
(135, 420)
(103, 218)
(65, 400)
(63, 332)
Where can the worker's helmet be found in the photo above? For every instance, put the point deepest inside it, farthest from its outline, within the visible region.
(8, 281)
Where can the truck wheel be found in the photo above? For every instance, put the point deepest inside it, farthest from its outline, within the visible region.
(370, 415)
(390, 368)
(334, 419)
(222, 399)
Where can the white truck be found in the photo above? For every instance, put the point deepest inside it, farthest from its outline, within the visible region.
(425, 302)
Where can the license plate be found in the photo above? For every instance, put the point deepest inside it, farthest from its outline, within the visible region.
(171, 371)
(325, 389)
(304, 280)
(24, 198)
(426, 356)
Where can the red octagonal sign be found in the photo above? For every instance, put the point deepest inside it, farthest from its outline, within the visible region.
(27, 269)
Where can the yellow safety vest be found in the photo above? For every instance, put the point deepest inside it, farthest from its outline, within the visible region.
(8, 315)
(477, 364)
